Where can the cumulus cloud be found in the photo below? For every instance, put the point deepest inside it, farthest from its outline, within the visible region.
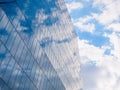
(84, 24)
(110, 11)
(115, 39)
(89, 27)
(100, 71)
(114, 26)
(109, 74)
(74, 5)
(102, 68)
(89, 51)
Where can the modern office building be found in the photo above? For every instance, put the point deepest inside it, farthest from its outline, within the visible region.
(38, 46)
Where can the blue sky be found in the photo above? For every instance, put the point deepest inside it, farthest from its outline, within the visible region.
(97, 24)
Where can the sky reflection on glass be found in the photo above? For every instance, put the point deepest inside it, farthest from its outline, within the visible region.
(40, 46)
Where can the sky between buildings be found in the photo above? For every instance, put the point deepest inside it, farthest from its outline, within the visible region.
(97, 24)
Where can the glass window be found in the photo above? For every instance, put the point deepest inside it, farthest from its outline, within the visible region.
(6, 1)
(15, 45)
(18, 79)
(10, 40)
(39, 76)
(6, 32)
(30, 42)
(3, 85)
(1, 14)
(22, 80)
(9, 70)
(19, 50)
(22, 57)
(31, 61)
(26, 84)
(33, 73)
(26, 62)
(36, 51)
(32, 87)
(3, 23)
(13, 76)
(0, 43)
(2, 53)
(4, 63)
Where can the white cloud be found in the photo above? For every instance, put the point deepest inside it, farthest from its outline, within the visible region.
(103, 76)
(84, 25)
(109, 74)
(110, 11)
(114, 26)
(103, 73)
(117, 86)
(74, 5)
(109, 16)
(89, 27)
(85, 19)
(89, 51)
(115, 40)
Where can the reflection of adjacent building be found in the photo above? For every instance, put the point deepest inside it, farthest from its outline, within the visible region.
(38, 47)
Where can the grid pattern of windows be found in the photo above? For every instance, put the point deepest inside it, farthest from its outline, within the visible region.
(37, 46)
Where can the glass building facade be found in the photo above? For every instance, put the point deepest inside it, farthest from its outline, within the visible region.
(38, 46)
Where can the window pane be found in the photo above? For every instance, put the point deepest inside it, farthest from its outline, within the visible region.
(6, 1)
